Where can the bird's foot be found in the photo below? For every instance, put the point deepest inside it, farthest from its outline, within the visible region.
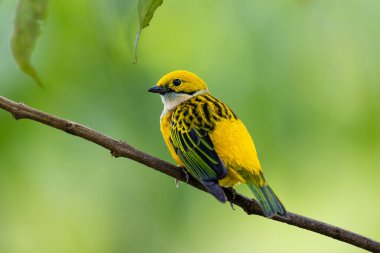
(232, 206)
(186, 176)
(233, 191)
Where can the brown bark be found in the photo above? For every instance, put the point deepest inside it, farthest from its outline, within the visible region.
(123, 149)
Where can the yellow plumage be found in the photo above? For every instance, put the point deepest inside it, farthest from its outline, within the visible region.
(225, 136)
(235, 157)
(206, 137)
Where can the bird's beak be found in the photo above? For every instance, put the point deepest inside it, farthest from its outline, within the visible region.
(158, 89)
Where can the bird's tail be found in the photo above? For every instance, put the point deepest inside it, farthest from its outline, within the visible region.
(268, 201)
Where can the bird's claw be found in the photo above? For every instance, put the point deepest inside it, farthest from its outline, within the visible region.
(186, 176)
(233, 191)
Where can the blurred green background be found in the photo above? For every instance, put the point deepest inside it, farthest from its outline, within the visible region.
(302, 75)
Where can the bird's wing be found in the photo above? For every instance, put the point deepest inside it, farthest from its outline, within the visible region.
(196, 150)
(192, 143)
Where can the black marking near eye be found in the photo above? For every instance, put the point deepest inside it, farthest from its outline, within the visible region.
(177, 82)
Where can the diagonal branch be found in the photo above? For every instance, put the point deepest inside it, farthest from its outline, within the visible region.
(123, 149)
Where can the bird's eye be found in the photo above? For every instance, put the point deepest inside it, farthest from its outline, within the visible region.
(177, 82)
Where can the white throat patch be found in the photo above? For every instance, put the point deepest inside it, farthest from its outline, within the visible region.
(172, 100)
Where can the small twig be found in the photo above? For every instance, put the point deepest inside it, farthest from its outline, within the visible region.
(123, 149)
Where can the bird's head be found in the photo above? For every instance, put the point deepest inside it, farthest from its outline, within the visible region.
(177, 87)
(179, 81)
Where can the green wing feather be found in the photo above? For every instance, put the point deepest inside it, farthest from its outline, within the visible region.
(191, 140)
(196, 150)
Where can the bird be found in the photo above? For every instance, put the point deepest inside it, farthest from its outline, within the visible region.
(206, 138)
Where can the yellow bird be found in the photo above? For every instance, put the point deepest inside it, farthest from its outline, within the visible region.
(207, 138)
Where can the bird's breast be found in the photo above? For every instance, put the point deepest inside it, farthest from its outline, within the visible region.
(165, 130)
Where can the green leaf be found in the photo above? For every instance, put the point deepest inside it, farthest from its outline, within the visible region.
(29, 14)
(146, 9)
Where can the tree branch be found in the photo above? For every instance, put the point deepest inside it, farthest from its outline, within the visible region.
(123, 149)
